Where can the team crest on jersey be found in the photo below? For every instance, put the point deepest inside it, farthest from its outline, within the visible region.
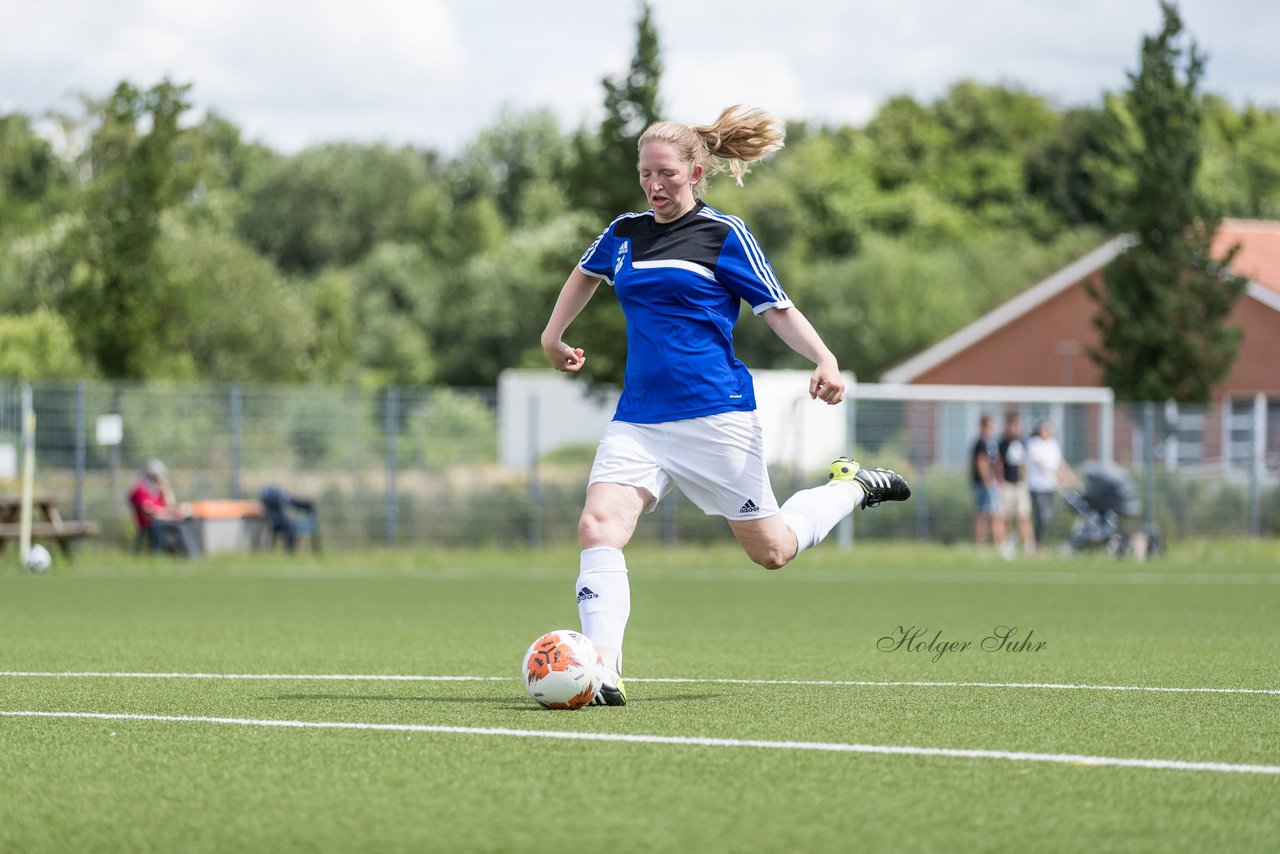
(622, 256)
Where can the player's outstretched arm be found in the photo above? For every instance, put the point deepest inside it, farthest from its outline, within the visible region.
(574, 296)
(798, 333)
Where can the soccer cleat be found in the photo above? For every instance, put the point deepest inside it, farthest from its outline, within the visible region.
(843, 469)
(880, 484)
(611, 695)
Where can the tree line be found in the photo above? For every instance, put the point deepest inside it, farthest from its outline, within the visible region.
(137, 242)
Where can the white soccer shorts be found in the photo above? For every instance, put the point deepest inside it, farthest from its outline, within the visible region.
(717, 461)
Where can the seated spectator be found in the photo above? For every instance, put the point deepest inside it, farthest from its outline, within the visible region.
(162, 521)
(289, 516)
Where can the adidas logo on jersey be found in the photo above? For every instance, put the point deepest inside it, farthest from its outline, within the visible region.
(587, 593)
(749, 507)
(622, 256)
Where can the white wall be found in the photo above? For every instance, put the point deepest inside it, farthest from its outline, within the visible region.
(551, 410)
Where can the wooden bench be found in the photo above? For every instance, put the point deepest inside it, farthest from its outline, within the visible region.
(64, 533)
(52, 527)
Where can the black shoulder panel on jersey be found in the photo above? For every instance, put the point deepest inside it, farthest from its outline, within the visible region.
(694, 238)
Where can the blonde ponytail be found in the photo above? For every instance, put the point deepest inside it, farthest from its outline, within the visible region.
(738, 137)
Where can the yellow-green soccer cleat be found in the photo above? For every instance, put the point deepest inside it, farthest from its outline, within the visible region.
(880, 484)
(611, 695)
(843, 469)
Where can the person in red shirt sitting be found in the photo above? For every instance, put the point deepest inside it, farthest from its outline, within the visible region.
(161, 519)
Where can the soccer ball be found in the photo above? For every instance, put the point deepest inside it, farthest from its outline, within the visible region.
(562, 670)
(38, 558)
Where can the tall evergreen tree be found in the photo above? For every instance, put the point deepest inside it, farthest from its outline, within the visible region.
(607, 185)
(1162, 315)
(607, 182)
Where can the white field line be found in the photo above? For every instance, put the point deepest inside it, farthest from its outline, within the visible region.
(1031, 575)
(628, 738)
(935, 576)
(837, 683)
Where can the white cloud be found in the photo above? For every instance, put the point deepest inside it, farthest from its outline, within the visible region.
(698, 85)
(435, 72)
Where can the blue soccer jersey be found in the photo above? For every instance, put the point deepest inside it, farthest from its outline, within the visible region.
(680, 284)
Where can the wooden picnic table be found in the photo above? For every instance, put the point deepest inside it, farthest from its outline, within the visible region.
(47, 523)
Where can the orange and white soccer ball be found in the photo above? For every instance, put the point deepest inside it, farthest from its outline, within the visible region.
(562, 670)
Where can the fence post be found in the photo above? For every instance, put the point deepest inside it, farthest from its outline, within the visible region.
(235, 440)
(1107, 431)
(391, 418)
(113, 453)
(917, 423)
(81, 451)
(844, 530)
(1149, 462)
(1226, 421)
(28, 471)
(532, 487)
(1259, 437)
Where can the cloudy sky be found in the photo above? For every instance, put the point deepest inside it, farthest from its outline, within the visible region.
(434, 72)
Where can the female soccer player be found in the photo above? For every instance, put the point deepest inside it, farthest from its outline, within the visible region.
(687, 412)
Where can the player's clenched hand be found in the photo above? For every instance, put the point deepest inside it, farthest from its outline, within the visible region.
(826, 384)
(565, 358)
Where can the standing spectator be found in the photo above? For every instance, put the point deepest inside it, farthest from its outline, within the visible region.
(162, 521)
(1015, 498)
(1046, 471)
(986, 471)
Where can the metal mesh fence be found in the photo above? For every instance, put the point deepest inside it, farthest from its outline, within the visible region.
(422, 467)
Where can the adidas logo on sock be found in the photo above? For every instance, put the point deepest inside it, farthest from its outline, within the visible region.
(749, 507)
(587, 593)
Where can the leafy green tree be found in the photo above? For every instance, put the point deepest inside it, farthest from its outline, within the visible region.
(966, 152)
(521, 163)
(40, 269)
(496, 311)
(38, 346)
(1240, 172)
(397, 292)
(31, 175)
(811, 198)
(1162, 317)
(331, 304)
(230, 316)
(991, 128)
(909, 141)
(476, 227)
(1060, 168)
(136, 175)
(330, 205)
(223, 162)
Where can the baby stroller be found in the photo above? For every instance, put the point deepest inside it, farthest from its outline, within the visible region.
(1103, 511)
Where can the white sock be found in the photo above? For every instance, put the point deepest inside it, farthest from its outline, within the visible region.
(812, 513)
(604, 603)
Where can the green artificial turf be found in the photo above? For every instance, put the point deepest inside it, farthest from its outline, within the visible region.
(1206, 617)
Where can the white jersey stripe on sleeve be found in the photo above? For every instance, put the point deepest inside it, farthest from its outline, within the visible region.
(594, 275)
(749, 241)
(754, 255)
(591, 248)
(750, 247)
